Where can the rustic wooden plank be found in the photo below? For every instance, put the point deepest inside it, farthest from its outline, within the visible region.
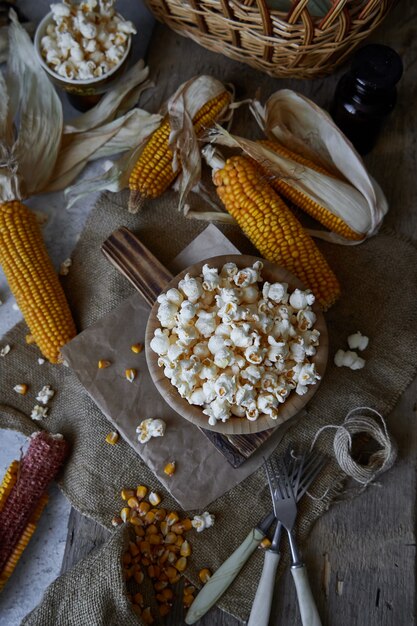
(369, 541)
(83, 536)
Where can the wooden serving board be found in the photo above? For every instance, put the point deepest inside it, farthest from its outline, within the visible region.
(133, 259)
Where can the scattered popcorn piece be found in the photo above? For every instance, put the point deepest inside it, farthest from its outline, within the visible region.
(65, 267)
(41, 361)
(357, 341)
(112, 438)
(130, 374)
(136, 348)
(201, 522)
(170, 468)
(103, 364)
(45, 394)
(349, 359)
(39, 412)
(21, 389)
(5, 350)
(265, 543)
(151, 427)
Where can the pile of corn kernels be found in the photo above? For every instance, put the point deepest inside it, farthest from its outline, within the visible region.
(160, 549)
(85, 41)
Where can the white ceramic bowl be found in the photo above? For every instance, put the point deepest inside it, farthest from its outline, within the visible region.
(88, 87)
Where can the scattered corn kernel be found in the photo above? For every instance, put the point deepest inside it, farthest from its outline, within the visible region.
(172, 518)
(133, 502)
(143, 508)
(160, 584)
(170, 538)
(30, 340)
(181, 564)
(164, 527)
(21, 389)
(204, 574)
(155, 540)
(125, 514)
(139, 577)
(138, 598)
(102, 364)
(169, 468)
(141, 492)
(136, 348)
(160, 514)
(188, 600)
(154, 571)
(147, 616)
(154, 498)
(177, 528)
(127, 493)
(185, 549)
(164, 609)
(133, 549)
(112, 438)
(189, 590)
(130, 374)
(126, 558)
(152, 529)
(150, 517)
(265, 543)
(116, 521)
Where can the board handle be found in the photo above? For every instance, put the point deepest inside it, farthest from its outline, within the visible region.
(133, 259)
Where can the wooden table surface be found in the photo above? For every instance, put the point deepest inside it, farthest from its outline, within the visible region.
(361, 554)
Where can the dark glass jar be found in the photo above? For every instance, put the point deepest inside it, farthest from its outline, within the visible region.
(367, 94)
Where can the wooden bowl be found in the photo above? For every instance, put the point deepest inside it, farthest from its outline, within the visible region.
(235, 425)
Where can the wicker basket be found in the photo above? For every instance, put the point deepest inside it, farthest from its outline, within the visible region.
(294, 44)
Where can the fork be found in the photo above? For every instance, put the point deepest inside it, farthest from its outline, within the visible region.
(285, 509)
(302, 472)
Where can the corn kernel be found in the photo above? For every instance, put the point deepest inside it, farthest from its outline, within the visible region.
(204, 574)
(133, 549)
(169, 468)
(179, 541)
(147, 616)
(189, 590)
(145, 547)
(150, 517)
(138, 523)
(136, 348)
(160, 514)
(186, 524)
(185, 549)
(170, 538)
(174, 579)
(164, 557)
(127, 493)
(139, 576)
(188, 600)
(265, 543)
(160, 585)
(155, 540)
(133, 502)
(177, 528)
(164, 527)
(143, 508)
(181, 564)
(154, 498)
(126, 558)
(145, 561)
(172, 557)
(116, 521)
(30, 340)
(103, 364)
(141, 492)
(138, 598)
(130, 374)
(125, 514)
(21, 389)
(164, 609)
(154, 571)
(152, 529)
(172, 518)
(112, 438)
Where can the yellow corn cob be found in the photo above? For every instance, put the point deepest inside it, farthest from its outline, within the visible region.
(12, 561)
(273, 228)
(303, 201)
(153, 172)
(33, 280)
(8, 482)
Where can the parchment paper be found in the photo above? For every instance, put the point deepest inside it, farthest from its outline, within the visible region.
(202, 473)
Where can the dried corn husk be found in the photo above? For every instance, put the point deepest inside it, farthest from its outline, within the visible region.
(181, 107)
(305, 128)
(59, 153)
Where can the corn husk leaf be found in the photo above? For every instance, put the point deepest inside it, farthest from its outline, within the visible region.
(141, 126)
(115, 102)
(35, 104)
(182, 107)
(306, 129)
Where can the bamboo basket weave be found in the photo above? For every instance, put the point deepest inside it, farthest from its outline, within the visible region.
(293, 44)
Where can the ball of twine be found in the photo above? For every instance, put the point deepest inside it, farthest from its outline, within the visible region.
(356, 422)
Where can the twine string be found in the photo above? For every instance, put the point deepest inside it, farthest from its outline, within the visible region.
(357, 422)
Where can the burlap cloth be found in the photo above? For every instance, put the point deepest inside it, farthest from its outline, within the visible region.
(379, 283)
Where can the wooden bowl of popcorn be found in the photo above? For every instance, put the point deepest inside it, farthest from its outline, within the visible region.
(83, 47)
(236, 344)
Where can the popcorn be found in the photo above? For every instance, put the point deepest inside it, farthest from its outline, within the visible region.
(234, 348)
(149, 428)
(349, 359)
(201, 522)
(39, 412)
(45, 394)
(357, 341)
(89, 35)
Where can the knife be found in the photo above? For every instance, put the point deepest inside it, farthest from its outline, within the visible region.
(227, 572)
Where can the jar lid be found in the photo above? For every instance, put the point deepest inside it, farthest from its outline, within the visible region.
(377, 66)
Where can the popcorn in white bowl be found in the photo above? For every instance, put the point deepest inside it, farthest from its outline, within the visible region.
(241, 353)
